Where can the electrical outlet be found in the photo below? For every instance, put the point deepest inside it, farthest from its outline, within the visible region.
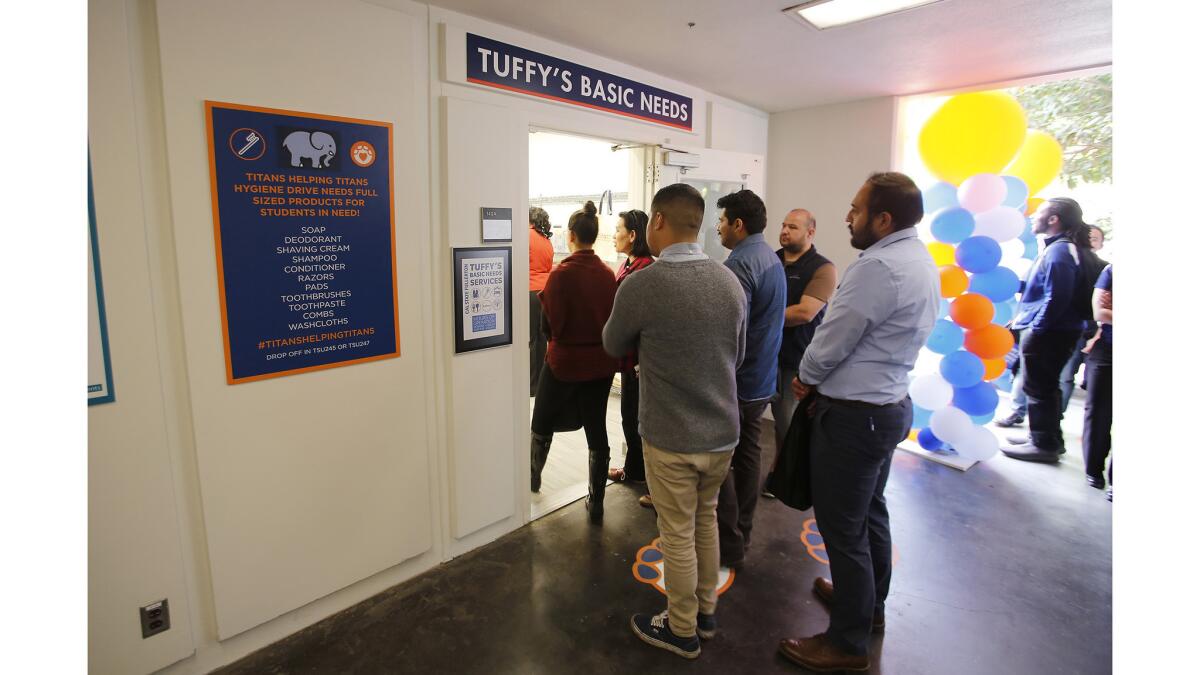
(156, 618)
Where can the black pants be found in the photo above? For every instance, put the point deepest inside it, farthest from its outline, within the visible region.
(635, 466)
(555, 397)
(1097, 410)
(537, 342)
(1043, 356)
(739, 493)
(851, 456)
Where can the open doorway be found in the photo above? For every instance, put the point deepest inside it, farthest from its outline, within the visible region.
(565, 171)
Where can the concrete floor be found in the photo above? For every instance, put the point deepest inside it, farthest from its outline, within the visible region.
(1003, 569)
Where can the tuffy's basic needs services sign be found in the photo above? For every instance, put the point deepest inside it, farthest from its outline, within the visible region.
(503, 66)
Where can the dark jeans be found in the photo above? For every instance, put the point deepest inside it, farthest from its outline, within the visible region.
(537, 342)
(1043, 356)
(554, 396)
(1097, 411)
(739, 493)
(635, 466)
(851, 456)
(1066, 380)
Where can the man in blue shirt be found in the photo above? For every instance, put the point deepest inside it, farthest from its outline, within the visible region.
(857, 366)
(740, 225)
(1097, 411)
(1050, 322)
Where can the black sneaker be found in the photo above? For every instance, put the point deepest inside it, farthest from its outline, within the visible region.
(706, 625)
(655, 630)
(1013, 420)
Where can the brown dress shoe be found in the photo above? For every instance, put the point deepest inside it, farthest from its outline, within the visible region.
(823, 589)
(819, 654)
(646, 501)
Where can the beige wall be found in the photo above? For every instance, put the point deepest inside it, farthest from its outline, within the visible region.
(819, 158)
(261, 508)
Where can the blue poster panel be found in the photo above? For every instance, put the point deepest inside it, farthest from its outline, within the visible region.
(305, 235)
(100, 381)
(496, 64)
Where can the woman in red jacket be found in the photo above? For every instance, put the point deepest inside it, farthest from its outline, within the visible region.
(541, 259)
(576, 302)
(631, 240)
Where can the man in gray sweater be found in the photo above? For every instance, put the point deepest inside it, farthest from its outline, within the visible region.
(686, 314)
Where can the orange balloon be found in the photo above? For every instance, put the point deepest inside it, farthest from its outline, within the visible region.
(954, 281)
(989, 342)
(972, 311)
(993, 368)
(1032, 205)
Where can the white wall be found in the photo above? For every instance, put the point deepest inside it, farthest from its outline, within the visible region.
(819, 158)
(261, 508)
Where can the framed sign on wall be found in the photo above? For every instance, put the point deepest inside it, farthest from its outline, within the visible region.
(482, 298)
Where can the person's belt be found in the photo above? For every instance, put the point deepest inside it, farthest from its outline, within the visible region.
(856, 404)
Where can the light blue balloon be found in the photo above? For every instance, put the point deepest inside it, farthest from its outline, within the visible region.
(978, 254)
(962, 369)
(943, 308)
(921, 417)
(981, 420)
(999, 284)
(1004, 382)
(1027, 233)
(939, 196)
(1018, 192)
(1004, 312)
(1031, 250)
(952, 225)
(945, 338)
(979, 399)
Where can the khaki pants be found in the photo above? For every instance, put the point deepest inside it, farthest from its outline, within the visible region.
(684, 487)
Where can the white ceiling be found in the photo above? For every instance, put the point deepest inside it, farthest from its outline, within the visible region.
(749, 51)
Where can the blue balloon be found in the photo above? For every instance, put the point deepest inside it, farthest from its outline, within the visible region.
(1027, 233)
(999, 284)
(929, 441)
(1004, 310)
(943, 308)
(978, 254)
(1017, 192)
(1031, 250)
(962, 369)
(946, 337)
(920, 417)
(981, 420)
(1004, 382)
(939, 196)
(952, 225)
(979, 399)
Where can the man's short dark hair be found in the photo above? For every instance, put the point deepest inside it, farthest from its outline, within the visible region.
(746, 205)
(681, 205)
(895, 193)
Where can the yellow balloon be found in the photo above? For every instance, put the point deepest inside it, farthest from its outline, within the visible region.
(1038, 162)
(972, 133)
(943, 254)
(1032, 205)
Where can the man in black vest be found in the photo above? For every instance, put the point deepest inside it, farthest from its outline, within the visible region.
(811, 279)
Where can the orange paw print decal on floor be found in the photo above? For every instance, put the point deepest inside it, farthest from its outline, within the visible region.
(648, 569)
(815, 544)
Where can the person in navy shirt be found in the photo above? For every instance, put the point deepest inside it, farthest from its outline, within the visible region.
(1050, 323)
(740, 226)
(1097, 377)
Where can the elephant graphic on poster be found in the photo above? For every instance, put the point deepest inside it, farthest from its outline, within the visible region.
(317, 147)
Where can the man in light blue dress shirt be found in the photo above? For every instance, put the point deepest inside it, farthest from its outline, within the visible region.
(857, 368)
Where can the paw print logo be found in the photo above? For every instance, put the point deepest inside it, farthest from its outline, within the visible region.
(648, 569)
(362, 153)
(814, 543)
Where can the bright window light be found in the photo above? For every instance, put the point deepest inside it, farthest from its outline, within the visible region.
(824, 14)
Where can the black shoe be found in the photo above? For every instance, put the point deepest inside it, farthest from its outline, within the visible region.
(1015, 419)
(1017, 440)
(1096, 482)
(597, 480)
(656, 630)
(1029, 452)
(706, 625)
(539, 451)
(1110, 493)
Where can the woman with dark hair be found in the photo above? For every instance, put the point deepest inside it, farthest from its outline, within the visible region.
(576, 302)
(630, 239)
(541, 259)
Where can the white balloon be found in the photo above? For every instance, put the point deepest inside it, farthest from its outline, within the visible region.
(931, 392)
(1011, 250)
(1020, 266)
(951, 425)
(1002, 224)
(982, 192)
(980, 444)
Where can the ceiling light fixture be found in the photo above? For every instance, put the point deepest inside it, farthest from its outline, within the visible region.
(823, 14)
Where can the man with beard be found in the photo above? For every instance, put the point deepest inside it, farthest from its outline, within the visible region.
(857, 367)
